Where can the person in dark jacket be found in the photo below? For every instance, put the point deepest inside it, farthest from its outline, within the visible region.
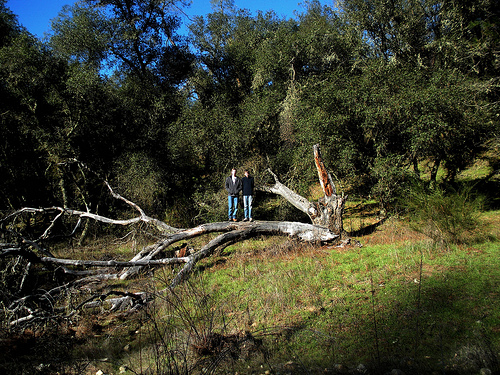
(247, 183)
(233, 187)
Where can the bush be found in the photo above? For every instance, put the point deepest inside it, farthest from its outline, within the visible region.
(446, 217)
(210, 205)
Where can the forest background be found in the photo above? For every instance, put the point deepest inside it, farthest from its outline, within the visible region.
(382, 86)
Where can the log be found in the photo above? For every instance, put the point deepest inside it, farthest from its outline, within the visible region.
(237, 232)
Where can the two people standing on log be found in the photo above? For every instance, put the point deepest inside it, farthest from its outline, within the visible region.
(234, 185)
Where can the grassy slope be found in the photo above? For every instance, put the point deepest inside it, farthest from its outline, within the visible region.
(398, 301)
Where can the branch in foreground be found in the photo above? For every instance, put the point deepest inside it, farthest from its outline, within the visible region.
(230, 233)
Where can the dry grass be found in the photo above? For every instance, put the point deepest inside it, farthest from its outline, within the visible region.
(392, 232)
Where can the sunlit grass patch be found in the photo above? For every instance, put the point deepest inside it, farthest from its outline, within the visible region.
(480, 169)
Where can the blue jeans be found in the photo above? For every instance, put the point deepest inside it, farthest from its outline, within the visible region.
(247, 203)
(232, 203)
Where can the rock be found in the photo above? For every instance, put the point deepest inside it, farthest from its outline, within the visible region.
(339, 367)
(361, 369)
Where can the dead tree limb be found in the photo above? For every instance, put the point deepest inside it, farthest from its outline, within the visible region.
(325, 215)
(160, 225)
(302, 231)
(326, 212)
(295, 199)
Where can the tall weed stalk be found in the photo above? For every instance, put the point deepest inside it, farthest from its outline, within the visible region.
(190, 332)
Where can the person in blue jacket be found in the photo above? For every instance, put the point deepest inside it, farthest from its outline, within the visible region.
(233, 187)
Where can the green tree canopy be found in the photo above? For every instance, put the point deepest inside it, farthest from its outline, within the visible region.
(384, 87)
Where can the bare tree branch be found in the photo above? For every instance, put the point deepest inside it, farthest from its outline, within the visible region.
(113, 263)
(325, 215)
(162, 226)
(295, 199)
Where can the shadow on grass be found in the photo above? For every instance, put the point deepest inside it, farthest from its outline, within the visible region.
(368, 229)
(490, 188)
(441, 326)
(444, 323)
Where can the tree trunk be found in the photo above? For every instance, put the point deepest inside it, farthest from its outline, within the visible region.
(328, 212)
(332, 207)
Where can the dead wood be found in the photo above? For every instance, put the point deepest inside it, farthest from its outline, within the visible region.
(328, 211)
(326, 225)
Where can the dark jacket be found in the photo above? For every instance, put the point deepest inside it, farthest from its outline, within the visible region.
(233, 189)
(247, 183)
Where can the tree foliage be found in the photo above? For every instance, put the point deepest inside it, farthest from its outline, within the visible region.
(385, 87)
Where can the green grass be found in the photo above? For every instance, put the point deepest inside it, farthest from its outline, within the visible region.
(479, 170)
(400, 301)
(380, 305)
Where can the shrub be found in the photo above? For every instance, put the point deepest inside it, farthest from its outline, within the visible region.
(391, 178)
(210, 205)
(445, 216)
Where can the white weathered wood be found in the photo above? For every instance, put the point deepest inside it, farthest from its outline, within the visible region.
(327, 212)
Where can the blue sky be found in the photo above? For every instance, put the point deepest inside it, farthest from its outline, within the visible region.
(35, 15)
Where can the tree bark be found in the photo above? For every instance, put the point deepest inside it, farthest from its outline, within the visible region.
(333, 206)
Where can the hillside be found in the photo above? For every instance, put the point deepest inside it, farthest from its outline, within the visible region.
(273, 305)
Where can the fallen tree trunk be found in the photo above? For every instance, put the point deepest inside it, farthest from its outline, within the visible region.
(326, 225)
(243, 231)
(231, 232)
